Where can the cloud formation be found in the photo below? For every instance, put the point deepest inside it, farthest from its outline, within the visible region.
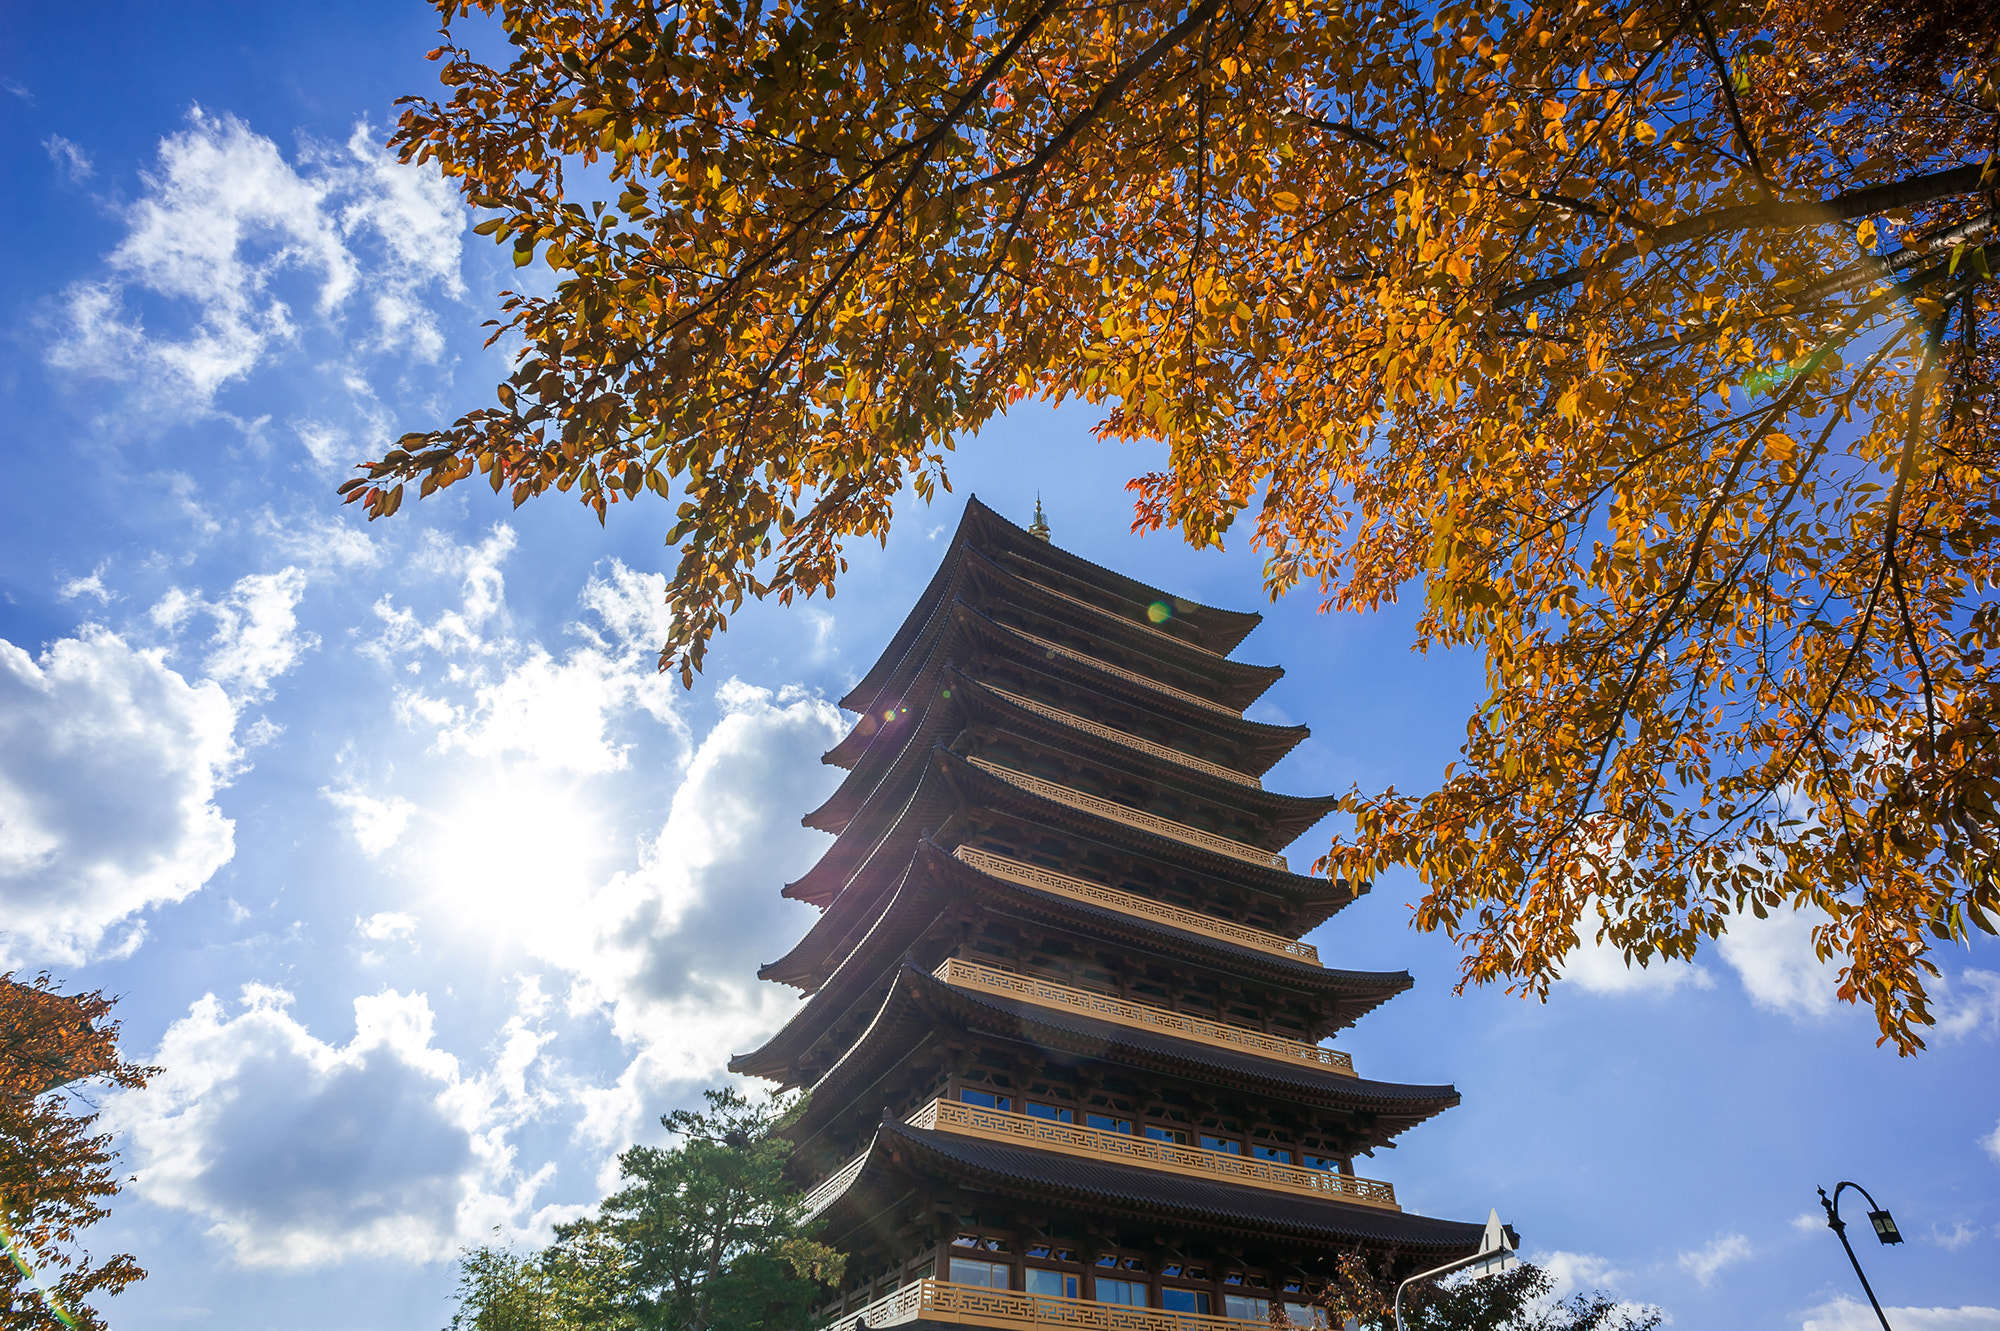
(231, 233)
(1775, 960)
(1724, 1250)
(109, 766)
(297, 1152)
(1845, 1314)
(1600, 968)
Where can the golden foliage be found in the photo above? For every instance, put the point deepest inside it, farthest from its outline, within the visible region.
(1650, 344)
(55, 1176)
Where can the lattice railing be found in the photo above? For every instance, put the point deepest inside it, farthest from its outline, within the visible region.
(1125, 813)
(1123, 1012)
(971, 1305)
(1025, 1129)
(1131, 675)
(1126, 738)
(1048, 880)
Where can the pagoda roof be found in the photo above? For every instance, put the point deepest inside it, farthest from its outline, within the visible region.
(962, 624)
(981, 532)
(950, 783)
(934, 880)
(918, 1002)
(1128, 1191)
(1284, 818)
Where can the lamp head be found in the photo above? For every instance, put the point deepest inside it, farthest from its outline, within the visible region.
(1885, 1227)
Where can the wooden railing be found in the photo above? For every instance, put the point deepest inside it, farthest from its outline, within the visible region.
(971, 1305)
(1116, 1147)
(1048, 880)
(1125, 813)
(1132, 675)
(1125, 738)
(1122, 1012)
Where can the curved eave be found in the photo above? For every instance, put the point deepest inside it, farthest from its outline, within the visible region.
(1216, 629)
(932, 879)
(1285, 817)
(979, 527)
(1128, 1191)
(918, 1000)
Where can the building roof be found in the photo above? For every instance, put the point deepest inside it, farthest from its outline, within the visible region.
(920, 1003)
(1135, 1193)
(962, 626)
(1280, 818)
(934, 880)
(981, 528)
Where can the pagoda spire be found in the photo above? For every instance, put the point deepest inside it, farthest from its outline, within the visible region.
(1039, 528)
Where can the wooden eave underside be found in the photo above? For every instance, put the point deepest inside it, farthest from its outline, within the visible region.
(980, 527)
(999, 595)
(872, 739)
(919, 1003)
(906, 1164)
(935, 881)
(1278, 819)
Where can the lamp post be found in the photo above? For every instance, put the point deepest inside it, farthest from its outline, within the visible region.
(1496, 1254)
(1885, 1231)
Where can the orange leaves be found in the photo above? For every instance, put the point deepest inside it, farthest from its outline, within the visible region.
(1459, 298)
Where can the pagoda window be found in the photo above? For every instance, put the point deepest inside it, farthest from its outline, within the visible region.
(1196, 1002)
(1054, 1284)
(983, 1242)
(1129, 1293)
(983, 1274)
(1054, 1113)
(1277, 1155)
(1108, 1123)
(1184, 1300)
(1226, 1145)
(1143, 987)
(1328, 1163)
(1178, 1136)
(986, 1099)
(1247, 1013)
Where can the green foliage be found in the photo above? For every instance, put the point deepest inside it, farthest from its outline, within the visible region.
(704, 1234)
(1518, 1301)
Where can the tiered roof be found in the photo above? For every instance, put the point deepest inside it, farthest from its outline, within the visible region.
(1050, 750)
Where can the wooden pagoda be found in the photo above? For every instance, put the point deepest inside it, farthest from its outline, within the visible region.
(1062, 1038)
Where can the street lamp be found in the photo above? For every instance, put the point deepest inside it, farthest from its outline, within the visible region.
(1885, 1232)
(1496, 1254)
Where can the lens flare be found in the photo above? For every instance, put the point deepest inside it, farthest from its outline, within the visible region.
(1159, 612)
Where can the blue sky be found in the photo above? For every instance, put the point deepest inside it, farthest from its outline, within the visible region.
(430, 896)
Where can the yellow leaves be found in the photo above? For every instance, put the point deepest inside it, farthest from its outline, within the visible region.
(1285, 201)
(1864, 235)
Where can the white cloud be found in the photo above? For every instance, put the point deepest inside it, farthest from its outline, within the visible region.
(386, 926)
(1722, 1251)
(1958, 1236)
(319, 543)
(1807, 1221)
(1577, 1272)
(256, 636)
(297, 1152)
(1845, 1314)
(109, 767)
(1968, 1005)
(1991, 1141)
(70, 160)
(1775, 960)
(93, 586)
(460, 632)
(1600, 968)
(376, 824)
(227, 227)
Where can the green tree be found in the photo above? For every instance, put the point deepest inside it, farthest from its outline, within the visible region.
(705, 1234)
(1650, 345)
(1516, 1300)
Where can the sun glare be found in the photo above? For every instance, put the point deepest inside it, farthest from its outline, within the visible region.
(514, 854)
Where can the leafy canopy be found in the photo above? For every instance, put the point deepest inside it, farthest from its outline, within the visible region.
(705, 1233)
(1647, 343)
(55, 1175)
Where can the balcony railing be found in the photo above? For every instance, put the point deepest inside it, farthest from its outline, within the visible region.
(1119, 1011)
(1125, 813)
(971, 1305)
(1132, 676)
(1127, 739)
(1116, 1147)
(1048, 880)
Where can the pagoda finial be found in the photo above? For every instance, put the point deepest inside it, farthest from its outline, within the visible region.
(1040, 526)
